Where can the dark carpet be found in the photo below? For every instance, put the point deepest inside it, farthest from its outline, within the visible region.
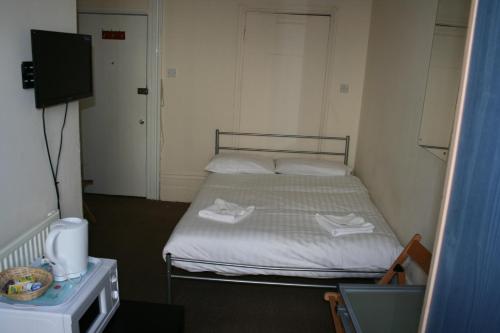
(146, 317)
(134, 231)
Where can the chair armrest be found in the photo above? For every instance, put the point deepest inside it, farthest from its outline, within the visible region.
(334, 299)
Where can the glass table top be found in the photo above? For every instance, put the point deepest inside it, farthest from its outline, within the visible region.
(383, 308)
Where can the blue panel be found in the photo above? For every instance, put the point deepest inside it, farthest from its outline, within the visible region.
(467, 293)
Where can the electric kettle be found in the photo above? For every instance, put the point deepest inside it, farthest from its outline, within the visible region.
(66, 248)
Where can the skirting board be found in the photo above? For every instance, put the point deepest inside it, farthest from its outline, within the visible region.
(26, 248)
(180, 188)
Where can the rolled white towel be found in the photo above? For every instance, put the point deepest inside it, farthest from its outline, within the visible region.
(225, 211)
(344, 225)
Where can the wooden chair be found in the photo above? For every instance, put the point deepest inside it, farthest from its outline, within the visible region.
(418, 254)
(414, 250)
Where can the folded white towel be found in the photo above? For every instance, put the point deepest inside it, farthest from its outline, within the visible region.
(225, 211)
(344, 225)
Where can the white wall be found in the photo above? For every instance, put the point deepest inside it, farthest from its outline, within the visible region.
(201, 42)
(26, 189)
(125, 6)
(405, 181)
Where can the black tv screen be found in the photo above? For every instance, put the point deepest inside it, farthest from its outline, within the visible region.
(62, 67)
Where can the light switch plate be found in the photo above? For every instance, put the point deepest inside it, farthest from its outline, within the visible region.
(171, 72)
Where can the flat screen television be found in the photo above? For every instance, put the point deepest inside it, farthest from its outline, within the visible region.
(62, 64)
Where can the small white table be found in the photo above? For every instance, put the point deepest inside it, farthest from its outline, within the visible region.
(89, 309)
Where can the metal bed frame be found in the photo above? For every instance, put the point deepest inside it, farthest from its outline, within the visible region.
(170, 259)
(344, 153)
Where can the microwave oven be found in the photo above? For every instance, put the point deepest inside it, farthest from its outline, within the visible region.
(87, 311)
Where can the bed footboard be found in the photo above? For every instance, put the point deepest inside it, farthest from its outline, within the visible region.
(242, 280)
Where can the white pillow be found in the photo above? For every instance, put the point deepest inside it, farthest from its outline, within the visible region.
(311, 167)
(239, 163)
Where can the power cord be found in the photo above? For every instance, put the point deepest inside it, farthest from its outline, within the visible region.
(55, 172)
(61, 139)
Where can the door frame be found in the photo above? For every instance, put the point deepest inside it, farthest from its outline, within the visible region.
(326, 102)
(155, 25)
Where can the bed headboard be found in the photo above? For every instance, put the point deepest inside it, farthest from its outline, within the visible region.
(344, 153)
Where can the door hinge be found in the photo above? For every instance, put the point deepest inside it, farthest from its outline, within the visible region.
(142, 91)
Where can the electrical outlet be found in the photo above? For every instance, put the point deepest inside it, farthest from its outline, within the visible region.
(344, 88)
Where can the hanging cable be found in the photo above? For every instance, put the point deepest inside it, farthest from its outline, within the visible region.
(55, 171)
(61, 140)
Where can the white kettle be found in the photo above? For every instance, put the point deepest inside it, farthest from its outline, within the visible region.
(66, 247)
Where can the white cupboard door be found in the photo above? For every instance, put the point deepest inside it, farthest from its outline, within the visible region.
(443, 82)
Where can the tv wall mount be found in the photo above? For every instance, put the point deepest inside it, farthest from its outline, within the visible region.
(28, 74)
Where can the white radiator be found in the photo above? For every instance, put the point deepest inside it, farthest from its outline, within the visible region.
(27, 247)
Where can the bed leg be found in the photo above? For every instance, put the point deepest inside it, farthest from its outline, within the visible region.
(168, 259)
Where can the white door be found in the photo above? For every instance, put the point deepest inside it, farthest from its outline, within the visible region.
(113, 129)
(283, 72)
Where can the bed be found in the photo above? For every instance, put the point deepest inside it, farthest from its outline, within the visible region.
(281, 237)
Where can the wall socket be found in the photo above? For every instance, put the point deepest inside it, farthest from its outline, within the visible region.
(344, 88)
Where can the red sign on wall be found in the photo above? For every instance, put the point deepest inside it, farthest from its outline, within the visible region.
(109, 34)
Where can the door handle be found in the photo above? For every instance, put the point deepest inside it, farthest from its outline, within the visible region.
(141, 121)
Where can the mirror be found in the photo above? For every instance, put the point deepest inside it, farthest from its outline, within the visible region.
(443, 78)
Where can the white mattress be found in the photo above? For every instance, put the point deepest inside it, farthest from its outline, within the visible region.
(282, 231)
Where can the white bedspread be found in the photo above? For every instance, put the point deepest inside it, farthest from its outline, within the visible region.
(282, 231)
